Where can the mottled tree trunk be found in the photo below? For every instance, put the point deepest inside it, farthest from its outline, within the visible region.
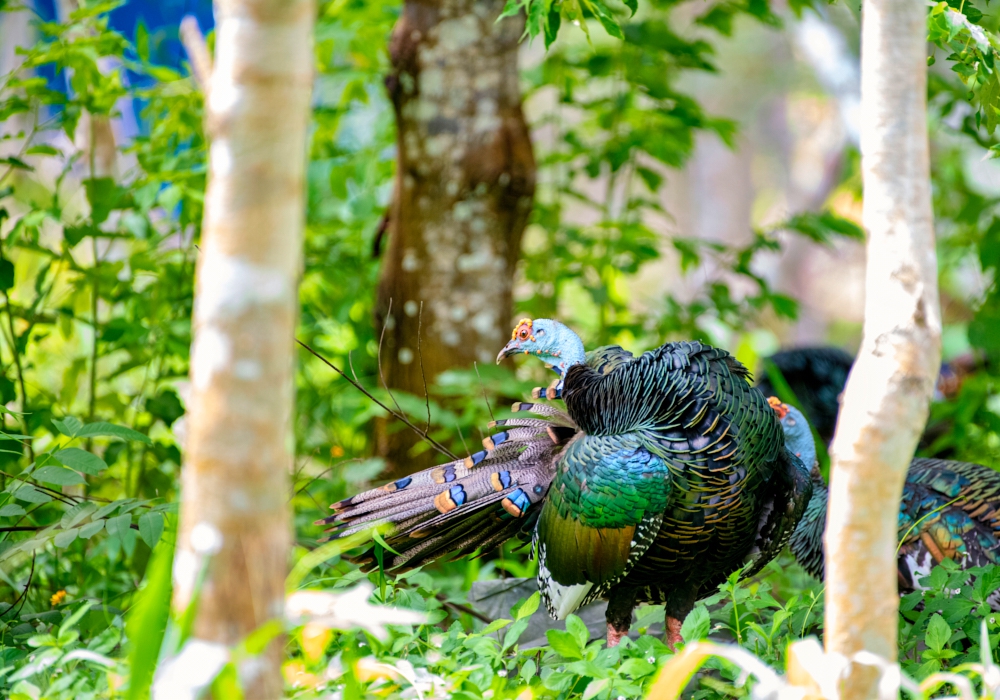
(464, 187)
(234, 507)
(887, 396)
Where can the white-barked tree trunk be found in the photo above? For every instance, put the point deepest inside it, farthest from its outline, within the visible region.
(234, 512)
(885, 404)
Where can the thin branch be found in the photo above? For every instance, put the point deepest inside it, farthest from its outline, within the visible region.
(22, 528)
(23, 598)
(462, 608)
(420, 359)
(462, 438)
(197, 51)
(381, 337)
(422, 434)
(483, 387)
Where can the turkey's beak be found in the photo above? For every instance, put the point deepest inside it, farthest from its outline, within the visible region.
(511, 348)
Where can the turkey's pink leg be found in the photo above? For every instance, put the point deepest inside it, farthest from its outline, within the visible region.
(615, 636)
(673, 633)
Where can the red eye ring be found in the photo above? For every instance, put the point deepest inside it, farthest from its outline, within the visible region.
(523, 333)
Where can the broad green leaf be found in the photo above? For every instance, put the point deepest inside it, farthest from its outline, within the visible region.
(91, 529)
(147, 621)
(68, 426)
(564, 644)
(595, 688)
(696, 624)
(576, 627)
(528, 607)
(29, 494)
(81, 460)
(66, 537)
(6, 274)
(514, 633)
(57, 475)
(637, 668)
(150, 528)
(495, 626)
(106, 509)
(102, 429)
(119, 525)
(938, 633)
(77, 513)
(11, 510)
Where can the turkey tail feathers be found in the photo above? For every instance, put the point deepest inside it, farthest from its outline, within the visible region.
(473, 503)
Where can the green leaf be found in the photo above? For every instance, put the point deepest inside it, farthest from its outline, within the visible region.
(696, 624)
(66, 538)
(81, 460)
(150, 528)
(514, 633)
(60, 476)
(119, 525)
(638, 668)
(147, 621)
(91, 529)
(527, 608)
(378, 538)
(6, 274)
(989, 95)
(632, 5)
(29, 494)
(11, 510)
(15, 163)
(605, 17)
(102, 429)
(576, 627)
(938, 633)
(512, 8)
(495, 626)
(68, 426)
(76, 514)
(103, 195)
(43, 150)
(595, 688)
(564, 644)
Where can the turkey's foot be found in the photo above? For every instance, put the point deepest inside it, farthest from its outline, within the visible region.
(673, 637)
(615, 635)
(621, 600)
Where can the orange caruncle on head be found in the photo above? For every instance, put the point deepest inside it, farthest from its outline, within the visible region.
(775, 403)
(522, 331)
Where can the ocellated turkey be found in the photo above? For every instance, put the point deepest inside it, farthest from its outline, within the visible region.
(666, 473)
(949, 510)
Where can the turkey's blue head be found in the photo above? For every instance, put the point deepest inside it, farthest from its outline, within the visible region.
(798, 434)
(548, 340)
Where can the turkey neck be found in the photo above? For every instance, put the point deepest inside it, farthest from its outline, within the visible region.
(807, 539)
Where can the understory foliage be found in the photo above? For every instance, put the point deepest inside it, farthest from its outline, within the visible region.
(96, 295)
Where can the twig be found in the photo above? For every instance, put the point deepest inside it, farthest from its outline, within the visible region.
(398, 416)
(483, 387)
(58, 495)
(23, 598)
(381, 337)
(420, 359)
(463, 608)
(22, 528)
(462, 438)
(197, 51)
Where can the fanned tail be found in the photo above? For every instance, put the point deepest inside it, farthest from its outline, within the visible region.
(473, 503)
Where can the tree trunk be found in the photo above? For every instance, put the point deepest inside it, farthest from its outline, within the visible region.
(234, 512)
(886, 400)
(464, 186)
